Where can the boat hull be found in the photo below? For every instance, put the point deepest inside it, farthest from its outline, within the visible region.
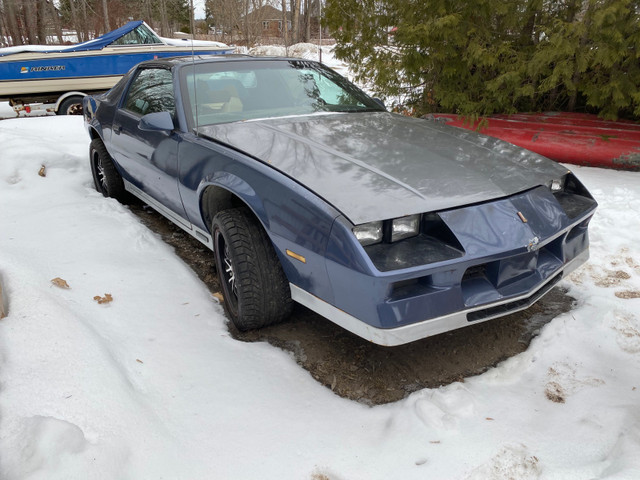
(37, 73)
(575, 138)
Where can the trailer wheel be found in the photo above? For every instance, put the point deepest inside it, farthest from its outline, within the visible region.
(71, 106)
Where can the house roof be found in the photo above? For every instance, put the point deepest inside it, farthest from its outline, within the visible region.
(266, 13)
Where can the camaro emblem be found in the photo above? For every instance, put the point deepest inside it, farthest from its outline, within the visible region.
(533, 244)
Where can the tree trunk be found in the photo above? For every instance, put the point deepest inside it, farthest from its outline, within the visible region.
(164, 24)
(43, 17)
(74, 19)
(285, 26)
(3, 29)
(105, 13)
(246, 22)
(15, 32)
(53, 14)
(307, 20)
(31, 22)
(582, 17)
(295, 21)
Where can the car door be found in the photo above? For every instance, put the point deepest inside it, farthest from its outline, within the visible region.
(149, 159)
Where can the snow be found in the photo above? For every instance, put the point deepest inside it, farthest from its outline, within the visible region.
(308, 51)
(6, 111)
(196, 43)
(151, 385)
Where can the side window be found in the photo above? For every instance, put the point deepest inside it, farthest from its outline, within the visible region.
(151, 91)
(330, 92)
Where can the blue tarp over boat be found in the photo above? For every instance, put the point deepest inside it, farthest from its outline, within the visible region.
(95, 44)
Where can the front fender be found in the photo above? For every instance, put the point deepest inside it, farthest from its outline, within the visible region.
(296, 220)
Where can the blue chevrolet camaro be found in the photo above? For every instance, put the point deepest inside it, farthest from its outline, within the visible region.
(308, 190)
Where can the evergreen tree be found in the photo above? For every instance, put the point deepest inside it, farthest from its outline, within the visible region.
(482, 57)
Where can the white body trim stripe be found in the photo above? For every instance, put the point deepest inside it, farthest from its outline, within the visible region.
(188, 227)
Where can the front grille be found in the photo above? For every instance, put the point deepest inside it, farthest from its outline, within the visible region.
(514, 306)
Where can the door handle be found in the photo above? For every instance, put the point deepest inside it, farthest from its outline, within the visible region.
(117, 129)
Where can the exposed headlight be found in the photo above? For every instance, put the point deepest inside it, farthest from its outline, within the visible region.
(557, 184)
(405, 227)
(368, 233)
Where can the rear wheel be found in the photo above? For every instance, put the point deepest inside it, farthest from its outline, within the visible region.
(255, 289)
(106, 178)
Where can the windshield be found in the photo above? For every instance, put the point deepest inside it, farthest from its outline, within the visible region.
(245, 90)
(141, 35)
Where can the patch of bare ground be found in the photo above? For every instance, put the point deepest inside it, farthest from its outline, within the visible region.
(359, 370)
(554, 392)
(627, 294)
(612, 278)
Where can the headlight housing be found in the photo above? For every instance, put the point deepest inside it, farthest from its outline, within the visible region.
(556, 185)
(388, 231)
(369, 233)
(573, 197)
(405, 227)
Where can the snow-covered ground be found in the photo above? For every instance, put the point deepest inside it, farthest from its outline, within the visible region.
(151, 385)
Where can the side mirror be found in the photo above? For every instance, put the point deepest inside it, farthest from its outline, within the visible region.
(156, 122)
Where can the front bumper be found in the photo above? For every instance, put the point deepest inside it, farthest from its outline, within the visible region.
(391, 337)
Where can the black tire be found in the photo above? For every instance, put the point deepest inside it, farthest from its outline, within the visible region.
(106, 178)
(255, 289)
(71, 106)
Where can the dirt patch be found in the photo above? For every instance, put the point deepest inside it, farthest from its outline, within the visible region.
(554, 392)
(356, 369)
(612, 278)
(627, 294)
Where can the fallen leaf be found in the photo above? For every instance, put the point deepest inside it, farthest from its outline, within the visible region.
(59, 282)
(434, 441)
(139, 361)
(106, 299)
(218, 296)
(488, 418)
(42, 172)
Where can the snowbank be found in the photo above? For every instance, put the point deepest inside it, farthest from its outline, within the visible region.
(308, 51)
(151, 385)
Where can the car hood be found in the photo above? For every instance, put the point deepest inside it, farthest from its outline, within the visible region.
(375, 166)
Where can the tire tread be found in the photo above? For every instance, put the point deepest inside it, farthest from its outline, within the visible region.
(264, 296)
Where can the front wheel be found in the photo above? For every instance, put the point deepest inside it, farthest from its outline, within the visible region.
(255, 289)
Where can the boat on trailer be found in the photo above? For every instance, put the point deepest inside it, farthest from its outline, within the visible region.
(577, 138)
(49, 75)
